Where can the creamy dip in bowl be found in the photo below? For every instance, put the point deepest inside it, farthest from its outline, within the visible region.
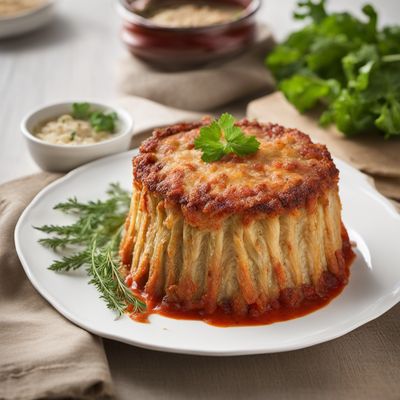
(59, 141)
(83, 126)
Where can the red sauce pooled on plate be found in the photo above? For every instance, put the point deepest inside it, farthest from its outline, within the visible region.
(222, 318)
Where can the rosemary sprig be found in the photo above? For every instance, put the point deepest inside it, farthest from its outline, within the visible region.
(92, 241)
(104, 271)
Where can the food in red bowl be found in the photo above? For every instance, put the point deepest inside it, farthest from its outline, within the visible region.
(183, 33)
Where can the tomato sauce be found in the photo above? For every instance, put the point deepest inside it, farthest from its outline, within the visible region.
(222, 318)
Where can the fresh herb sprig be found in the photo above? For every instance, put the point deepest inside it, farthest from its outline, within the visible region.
(92, 241)
(222, 137)
(345, 64)
(101, 122)
(81, 110)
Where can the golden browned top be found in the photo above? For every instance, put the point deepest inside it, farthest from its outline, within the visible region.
(286, 172)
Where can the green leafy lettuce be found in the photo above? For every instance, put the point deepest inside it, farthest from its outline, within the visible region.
(345, 64)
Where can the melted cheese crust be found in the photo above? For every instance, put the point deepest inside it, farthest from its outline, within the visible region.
(287, 172)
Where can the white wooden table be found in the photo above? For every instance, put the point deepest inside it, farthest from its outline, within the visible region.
(75, 57)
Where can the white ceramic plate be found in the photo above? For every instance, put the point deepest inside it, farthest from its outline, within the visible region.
(26, 21)
(374, 285)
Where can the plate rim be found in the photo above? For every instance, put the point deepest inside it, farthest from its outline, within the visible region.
(311, 340)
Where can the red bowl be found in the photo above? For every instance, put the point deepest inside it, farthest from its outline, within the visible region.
(187, 47)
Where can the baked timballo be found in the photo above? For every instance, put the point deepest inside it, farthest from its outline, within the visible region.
(242, 234)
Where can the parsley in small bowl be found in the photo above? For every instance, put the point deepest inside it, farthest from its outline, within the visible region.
(99, 121)
(63, 136)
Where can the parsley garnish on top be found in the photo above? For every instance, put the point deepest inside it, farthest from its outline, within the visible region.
(98, 120)
(344, 63)
(81, 110)
(103, 122)
(222, 137)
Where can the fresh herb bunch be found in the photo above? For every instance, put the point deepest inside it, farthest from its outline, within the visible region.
(101, 122)
(348, 65)
(222, 137)
(92, 241)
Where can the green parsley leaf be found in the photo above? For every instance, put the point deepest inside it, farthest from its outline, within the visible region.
(226, 121)
(389, 40)
(389, 119)
(308, 8)
(241, 144)
(222, 137)
(209, 142)
(81, 110)
(98, 120)
(306, 91)
(103, 122)
(351, 114)
(358, 65)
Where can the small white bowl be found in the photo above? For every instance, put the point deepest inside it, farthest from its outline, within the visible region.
(27, 21)
(64, 157)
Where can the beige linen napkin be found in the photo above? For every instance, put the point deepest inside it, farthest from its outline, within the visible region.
(205, 88)
(371, 154)
(42, 355)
